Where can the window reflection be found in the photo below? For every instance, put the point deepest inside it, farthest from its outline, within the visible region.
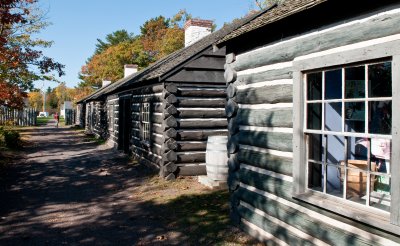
(333, 84)
(380, 117)
(314, 116)
(355, 82)
(380, 80)
(314, 85)
(355, 116)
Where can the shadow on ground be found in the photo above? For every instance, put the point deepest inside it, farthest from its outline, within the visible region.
(72, 192)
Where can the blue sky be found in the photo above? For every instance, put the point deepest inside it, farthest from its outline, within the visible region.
(76, 24)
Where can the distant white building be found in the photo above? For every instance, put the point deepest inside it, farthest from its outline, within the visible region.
(66, 105)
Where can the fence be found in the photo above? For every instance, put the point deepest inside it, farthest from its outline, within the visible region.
(70, 116)
(18, 117)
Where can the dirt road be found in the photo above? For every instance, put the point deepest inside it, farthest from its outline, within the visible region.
(70, 191)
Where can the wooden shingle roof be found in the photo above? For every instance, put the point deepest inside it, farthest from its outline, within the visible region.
(268, 16)
(228, 32)
(170, 62)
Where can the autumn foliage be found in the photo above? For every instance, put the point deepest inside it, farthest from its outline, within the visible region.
(21, 63)
(11, 95)
(158, 38)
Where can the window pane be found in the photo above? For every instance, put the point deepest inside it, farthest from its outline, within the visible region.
(355, 82)
(315, 148)
(380, 192)
(315, 177)
(355, 116)
(356, 184)
(314, 116)
(333, 84)
(381, 150)
(333, 117)
(314, 86)
(380, 80)
(334, 182)
(357, 153)
(380, 117)
(335, 149)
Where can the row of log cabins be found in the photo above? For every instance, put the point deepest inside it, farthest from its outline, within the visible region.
(310, 84)
(164, 113)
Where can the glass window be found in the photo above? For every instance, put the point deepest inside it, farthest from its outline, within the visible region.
(349, 157)
(333, 84)
(111, 117)
(355, 82)
(145, 122)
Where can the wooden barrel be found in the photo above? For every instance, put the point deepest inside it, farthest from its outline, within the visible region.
(217, 158)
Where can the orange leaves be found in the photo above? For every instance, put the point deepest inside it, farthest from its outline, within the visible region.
(11, 95)
(159, 37)
(21, 62)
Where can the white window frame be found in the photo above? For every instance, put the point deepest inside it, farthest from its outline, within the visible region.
(384, 48)
(111, 117)
(145, 121)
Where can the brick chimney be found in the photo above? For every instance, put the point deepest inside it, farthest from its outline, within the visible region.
(130, 69)
(196, 29)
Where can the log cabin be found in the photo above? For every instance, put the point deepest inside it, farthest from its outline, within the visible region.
(91, 114)
(164, 114)
(313, 144)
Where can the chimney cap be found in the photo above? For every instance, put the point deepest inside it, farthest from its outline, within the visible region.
(198, 22)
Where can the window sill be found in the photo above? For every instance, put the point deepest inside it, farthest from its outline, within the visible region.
(367, 215)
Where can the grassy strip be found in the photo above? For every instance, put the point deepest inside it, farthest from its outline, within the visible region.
(42, 120)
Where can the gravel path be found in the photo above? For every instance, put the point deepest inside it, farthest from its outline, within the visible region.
(70, 191)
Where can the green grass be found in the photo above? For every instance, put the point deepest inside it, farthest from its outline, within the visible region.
(92, 138)
(42, 120)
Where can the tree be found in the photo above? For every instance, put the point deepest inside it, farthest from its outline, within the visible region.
(61, 94)
(21, 63)
(159, 37)
(114, 38)
(109, 65)
(11, 95)
(35, 99)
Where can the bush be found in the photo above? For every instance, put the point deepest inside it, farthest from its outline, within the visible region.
(11, 138)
